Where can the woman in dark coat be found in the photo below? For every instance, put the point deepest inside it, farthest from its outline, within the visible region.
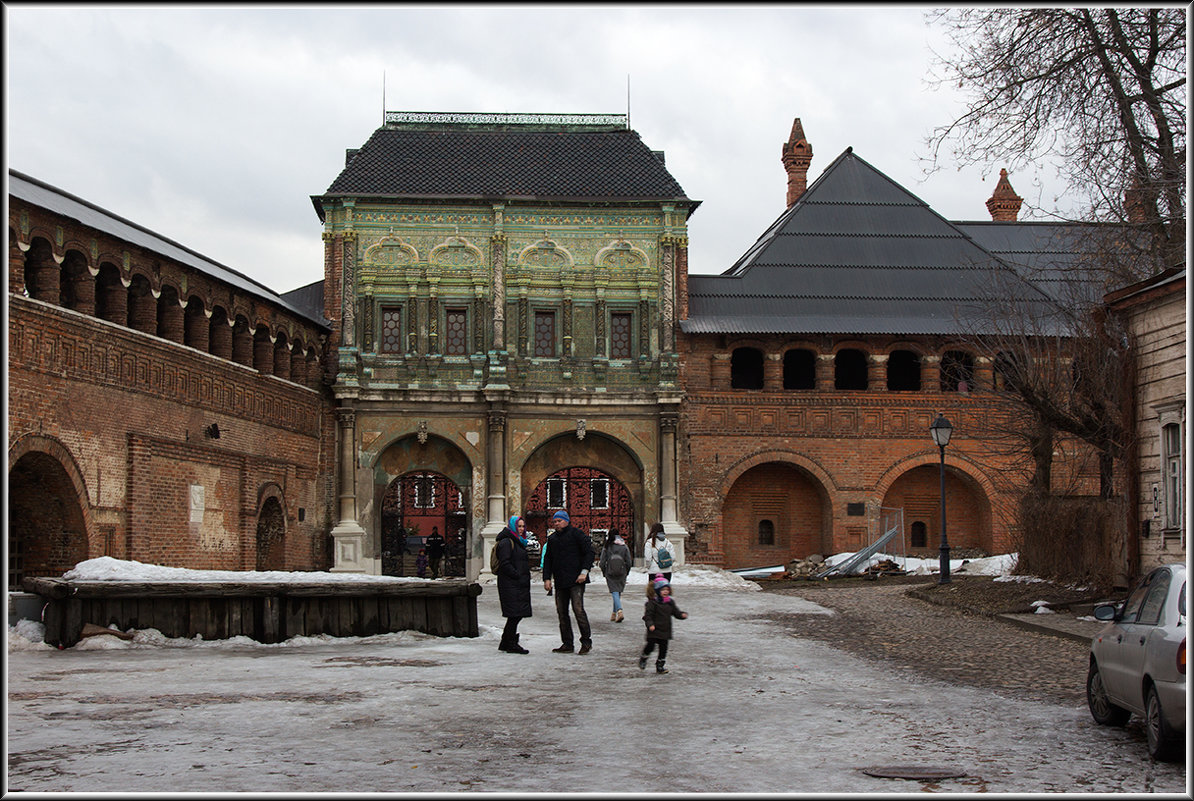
(513, 582)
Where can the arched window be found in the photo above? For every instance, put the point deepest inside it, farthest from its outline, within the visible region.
(746, 368)
(849, 369)
(800, 369)
(919, 534)
(903, 371)
(957, 371)
(42, 273)
(766, 532)
(77, 291)
(1007, 371)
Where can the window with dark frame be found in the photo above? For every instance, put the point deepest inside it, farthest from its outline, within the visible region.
(1171, 444)
(391, 329)
(800, 369)
(545, 334)
(424, 492)
(766, 532)
(557, 493)
(455, 332)
(746, 368)
(621, 335)
(599, 493)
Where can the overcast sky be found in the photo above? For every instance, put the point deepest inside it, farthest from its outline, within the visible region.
(214, 126)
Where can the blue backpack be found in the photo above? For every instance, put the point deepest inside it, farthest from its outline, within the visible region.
(663, 558)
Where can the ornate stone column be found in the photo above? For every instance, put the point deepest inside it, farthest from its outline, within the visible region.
(668, 490)
(348, 537)
(495, 479)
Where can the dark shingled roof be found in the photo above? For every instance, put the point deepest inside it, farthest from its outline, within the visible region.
(856, 254)
(540, 162)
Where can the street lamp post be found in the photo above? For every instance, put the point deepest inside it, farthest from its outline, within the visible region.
(941, 431)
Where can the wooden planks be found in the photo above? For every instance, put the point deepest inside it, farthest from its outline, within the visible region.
(264, 611)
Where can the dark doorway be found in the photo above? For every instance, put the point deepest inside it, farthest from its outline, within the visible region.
(271, 536)
(46, 532)
(594, 500)
(413, 505)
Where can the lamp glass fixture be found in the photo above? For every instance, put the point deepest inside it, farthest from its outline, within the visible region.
(941, 431)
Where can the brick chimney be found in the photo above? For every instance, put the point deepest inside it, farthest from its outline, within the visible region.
(1004, 203)
(797, 155)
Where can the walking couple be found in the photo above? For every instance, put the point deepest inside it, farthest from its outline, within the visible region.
(567, 559)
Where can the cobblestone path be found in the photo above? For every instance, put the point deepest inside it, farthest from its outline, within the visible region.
(882, 623)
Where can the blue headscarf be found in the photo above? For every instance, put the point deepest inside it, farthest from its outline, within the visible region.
(514, 528)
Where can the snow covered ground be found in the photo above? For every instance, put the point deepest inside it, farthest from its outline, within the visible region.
(746, 708)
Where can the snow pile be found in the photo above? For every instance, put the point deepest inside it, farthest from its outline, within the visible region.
(105, 568)
(27, 635)
(988, 566)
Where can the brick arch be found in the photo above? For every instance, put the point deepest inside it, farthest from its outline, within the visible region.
(735, 470)
(54, 450)
(774, 507)
(916, 347)
(971, 513)
(271, 529)
(930, 457)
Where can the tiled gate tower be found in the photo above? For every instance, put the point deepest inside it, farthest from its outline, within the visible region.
(503, 291)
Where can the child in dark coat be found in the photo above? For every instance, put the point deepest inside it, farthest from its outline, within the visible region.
(658, 616)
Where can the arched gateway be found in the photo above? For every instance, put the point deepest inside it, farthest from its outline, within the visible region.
(414, 505)
(595, 501)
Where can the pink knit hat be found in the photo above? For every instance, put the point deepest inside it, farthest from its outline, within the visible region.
(660, 583)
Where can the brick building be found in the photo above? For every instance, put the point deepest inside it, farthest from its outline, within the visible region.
(506, 324)
(814, 366)
(162, 407)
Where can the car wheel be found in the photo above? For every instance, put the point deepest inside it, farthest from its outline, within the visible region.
(1102, 710)
(1163, 741)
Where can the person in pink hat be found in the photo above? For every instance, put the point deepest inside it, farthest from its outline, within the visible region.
(660, 610)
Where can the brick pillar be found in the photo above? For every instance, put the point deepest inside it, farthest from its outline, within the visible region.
(719, 371)
(773, 371)
(45, 275)
(825, 372)
(930, 374)
(984, 373)
(219, 337)
(876, 372)
(112, 299)
(298, 367)
(142, 306)
(242, 344)
(281, 359)
(171, 318)
(263, 351)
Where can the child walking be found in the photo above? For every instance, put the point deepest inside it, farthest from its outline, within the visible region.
(658, 616)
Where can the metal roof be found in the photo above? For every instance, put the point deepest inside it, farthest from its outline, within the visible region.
(55, 200)
(543, 161)
(857, 253)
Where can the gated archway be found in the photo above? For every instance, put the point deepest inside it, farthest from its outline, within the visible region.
(415, 504)
(594, 500)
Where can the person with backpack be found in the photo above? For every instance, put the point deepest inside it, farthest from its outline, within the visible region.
(567, 564)
(658, 616)
(658, 554)
(513, 570)
(615, 566)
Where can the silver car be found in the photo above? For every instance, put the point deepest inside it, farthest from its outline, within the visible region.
(1138, 661)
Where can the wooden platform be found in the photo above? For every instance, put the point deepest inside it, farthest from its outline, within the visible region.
(264, 611)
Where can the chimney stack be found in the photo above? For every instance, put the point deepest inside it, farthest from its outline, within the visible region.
(797, 155)
(1004, 203)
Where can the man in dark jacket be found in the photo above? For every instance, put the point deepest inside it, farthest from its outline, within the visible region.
(435, 550)
(568, 562)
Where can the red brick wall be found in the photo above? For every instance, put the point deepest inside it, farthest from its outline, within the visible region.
(124, 413)
(867, 447)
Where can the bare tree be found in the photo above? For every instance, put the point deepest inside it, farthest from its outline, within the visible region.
(1103, 92)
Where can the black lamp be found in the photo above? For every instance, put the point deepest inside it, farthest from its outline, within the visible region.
(942, 431)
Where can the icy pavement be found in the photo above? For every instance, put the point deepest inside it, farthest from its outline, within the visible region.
(746, 708)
